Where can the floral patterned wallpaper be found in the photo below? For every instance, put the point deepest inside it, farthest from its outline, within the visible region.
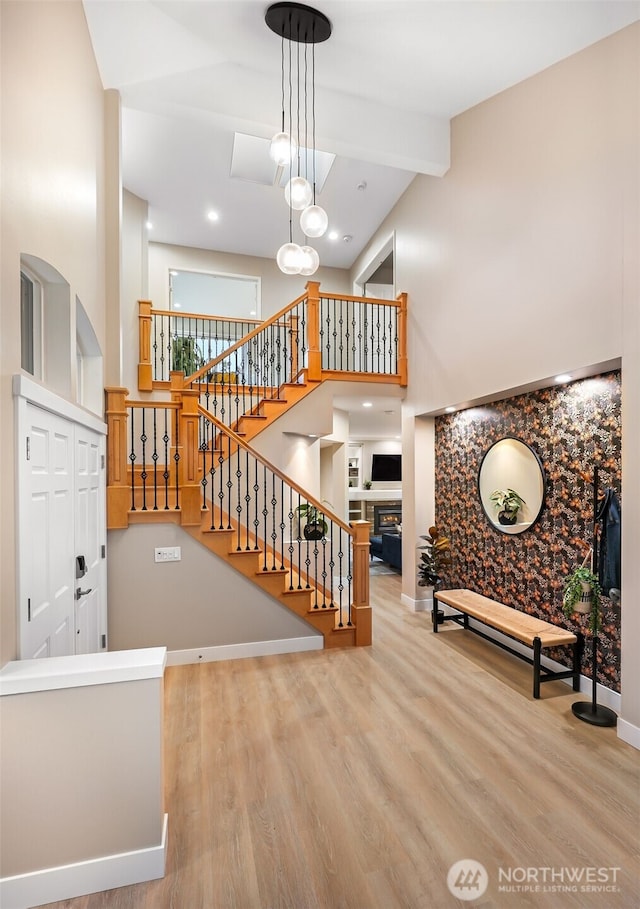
(571, 427)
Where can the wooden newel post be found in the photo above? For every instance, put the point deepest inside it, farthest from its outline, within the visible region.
(118, 486)
(402, 339)
(145, 376)
(314, 365)
(361, 609)
(189, 474)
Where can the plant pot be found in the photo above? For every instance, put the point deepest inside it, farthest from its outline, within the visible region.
(313, 531)
(583, 606)
(507, 517)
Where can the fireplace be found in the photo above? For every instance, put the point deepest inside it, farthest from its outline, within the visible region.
(385, 518)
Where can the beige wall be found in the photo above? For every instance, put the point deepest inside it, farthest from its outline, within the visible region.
(93, 756)
(52, 172)
(197, 602)
(277, 289)
(522, 261)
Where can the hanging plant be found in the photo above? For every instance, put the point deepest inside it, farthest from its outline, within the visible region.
(582, 589)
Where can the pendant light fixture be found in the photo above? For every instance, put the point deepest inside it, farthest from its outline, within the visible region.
(305, 27)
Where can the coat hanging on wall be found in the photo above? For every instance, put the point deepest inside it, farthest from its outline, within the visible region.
(608, 518)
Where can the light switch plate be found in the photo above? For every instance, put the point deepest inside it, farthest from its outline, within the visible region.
(168, 554)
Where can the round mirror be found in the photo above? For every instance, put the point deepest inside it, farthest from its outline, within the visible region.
(511, 485)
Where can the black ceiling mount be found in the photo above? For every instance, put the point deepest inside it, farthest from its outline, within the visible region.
(297, 22)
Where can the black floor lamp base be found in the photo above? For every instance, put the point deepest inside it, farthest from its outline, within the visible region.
(594, 713)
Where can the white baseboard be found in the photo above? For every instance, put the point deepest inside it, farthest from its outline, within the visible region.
(242, 651)
(629, 733)
(50, 885)
(416, 605)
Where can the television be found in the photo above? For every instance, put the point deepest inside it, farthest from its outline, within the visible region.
(387, 467)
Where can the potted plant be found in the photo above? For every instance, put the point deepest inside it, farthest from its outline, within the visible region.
(582, 594)
(508, 503)
(315, 527)
(186, 356)
(435, 557)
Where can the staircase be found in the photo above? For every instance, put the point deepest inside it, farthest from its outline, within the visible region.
(184, 455)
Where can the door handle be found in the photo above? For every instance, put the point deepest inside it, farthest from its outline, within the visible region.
(82, 593)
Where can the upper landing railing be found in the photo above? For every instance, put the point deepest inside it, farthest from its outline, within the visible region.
(236, 364)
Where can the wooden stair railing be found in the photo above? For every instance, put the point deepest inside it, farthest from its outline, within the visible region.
(313, 338)
(174, 461)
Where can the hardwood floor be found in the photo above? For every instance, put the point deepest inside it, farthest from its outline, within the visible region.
(355, 780)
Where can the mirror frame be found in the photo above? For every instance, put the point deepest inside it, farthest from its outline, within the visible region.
(535, 507)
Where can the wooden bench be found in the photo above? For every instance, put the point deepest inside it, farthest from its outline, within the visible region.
(518, 625)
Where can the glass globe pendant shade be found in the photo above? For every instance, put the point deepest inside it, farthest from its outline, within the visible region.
(289, 259)
(314, 221)
(298, 193)
(310, 260)
(282, 149)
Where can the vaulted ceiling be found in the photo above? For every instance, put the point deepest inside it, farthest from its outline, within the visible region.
(192, 74)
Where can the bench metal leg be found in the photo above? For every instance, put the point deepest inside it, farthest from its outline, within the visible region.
(577, 660)
(537, 650)
(434, 612)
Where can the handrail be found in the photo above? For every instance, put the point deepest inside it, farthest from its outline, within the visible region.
(272, 320)
(240, 442)
(175, 461)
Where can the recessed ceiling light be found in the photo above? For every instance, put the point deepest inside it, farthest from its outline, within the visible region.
(177, 305)
(449, 409)
(213, 215)
(149, 225)
(173, 274)
(252, 313)
(347, 238)
(333, 235)
(367, 404)
(563, 377)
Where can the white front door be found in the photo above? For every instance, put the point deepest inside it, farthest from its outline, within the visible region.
(46, 529)
(89, 533)
(61, 516)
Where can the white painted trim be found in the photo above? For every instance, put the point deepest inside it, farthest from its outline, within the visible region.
(629, 733)
(242, 651)
(425, 605)
(22, 676)
(50, 885)
(27, 388)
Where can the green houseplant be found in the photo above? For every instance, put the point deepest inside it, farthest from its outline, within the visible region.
(315, 526)
(186, 356)
(582, 593)
(508, 503)
(434, 558)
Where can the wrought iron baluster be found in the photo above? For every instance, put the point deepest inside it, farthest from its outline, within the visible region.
(274, 534)
(247, 499)
(154, 458)
(256, 519)
(176, 457)
(238, 458)
(166, 474)
(283, 525)
(132, 457)
(340, 333)
(291, 515)
(340, 580)
(203, 432)
(143, 474)
(265, 515)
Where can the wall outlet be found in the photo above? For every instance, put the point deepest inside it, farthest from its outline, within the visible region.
(168, 554)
